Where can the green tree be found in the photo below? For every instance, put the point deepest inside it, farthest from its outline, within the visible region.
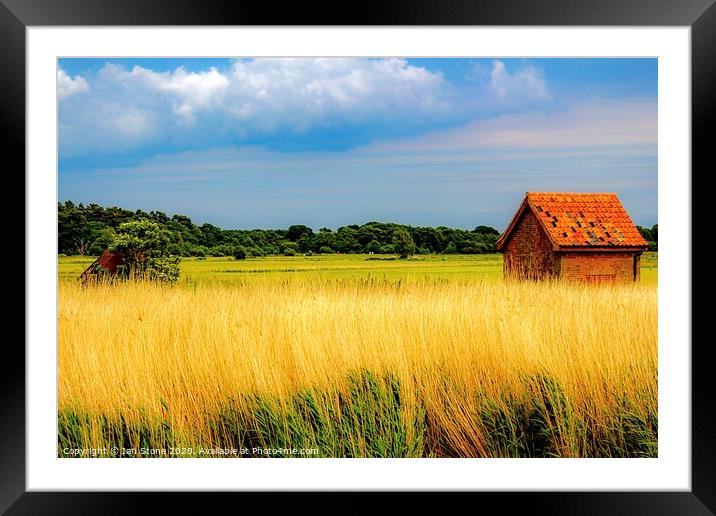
(654, 244)
(345, 240)
(240, 252)
(290, 249)
(199, 250)
(645, 232)
(305, 243)
(373, 247)
(403, 243)
(297, 231)
(486, 230)
(324, 238)
(450, 248)
(651, 236)
(102, 241)
(212, 235)
(143, 244)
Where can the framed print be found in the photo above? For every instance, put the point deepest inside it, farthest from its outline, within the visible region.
(158, 139)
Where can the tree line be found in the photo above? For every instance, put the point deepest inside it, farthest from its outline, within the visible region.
(651, 235)
(89, 230)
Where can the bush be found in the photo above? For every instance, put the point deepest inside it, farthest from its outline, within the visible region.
(199, 251)
(473, 248)
(290, 249)
(164, 268)
(450, 249)
(143, 244)
(240, 253)
(271, 249)
(222, 250)
(95, 249)
(373, 247)
(325, 250)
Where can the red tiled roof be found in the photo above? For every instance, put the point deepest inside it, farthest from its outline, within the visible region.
(110, 261)
(583, 220)
(106, 260)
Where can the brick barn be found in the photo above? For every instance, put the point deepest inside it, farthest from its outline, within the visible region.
(578, 236)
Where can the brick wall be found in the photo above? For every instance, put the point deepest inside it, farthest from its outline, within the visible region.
(528, 254)
(600, 267)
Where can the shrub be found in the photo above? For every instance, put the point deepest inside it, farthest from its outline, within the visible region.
(164, 268)
(373, 247)
(450, 249)
(240, 253)
(199, 250)
(290, 249)
(271, 249)
(143, 244)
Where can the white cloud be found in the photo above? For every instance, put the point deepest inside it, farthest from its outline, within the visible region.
(526, 83)
(89, 124)
(578, 125)
(131, 122)
(247, 98)
(186, 92)
(303, 93)
(67, 86)
(293, 93)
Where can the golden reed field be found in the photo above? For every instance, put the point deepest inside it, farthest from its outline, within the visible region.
(358, 368)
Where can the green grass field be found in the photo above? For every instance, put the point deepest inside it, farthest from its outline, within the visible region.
(480, 267)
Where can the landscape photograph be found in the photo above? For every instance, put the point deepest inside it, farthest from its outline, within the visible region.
(357, 257)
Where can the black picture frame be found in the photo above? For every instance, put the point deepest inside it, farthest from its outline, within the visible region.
(699, 15)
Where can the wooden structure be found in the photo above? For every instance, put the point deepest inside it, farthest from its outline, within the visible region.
(578, 236)
(104, 265)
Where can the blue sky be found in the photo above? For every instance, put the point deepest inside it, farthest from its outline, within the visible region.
(265, 143)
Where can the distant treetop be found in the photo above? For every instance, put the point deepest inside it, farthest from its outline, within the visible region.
(89, 230)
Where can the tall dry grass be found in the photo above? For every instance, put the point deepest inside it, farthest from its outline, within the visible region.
(362, 368)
